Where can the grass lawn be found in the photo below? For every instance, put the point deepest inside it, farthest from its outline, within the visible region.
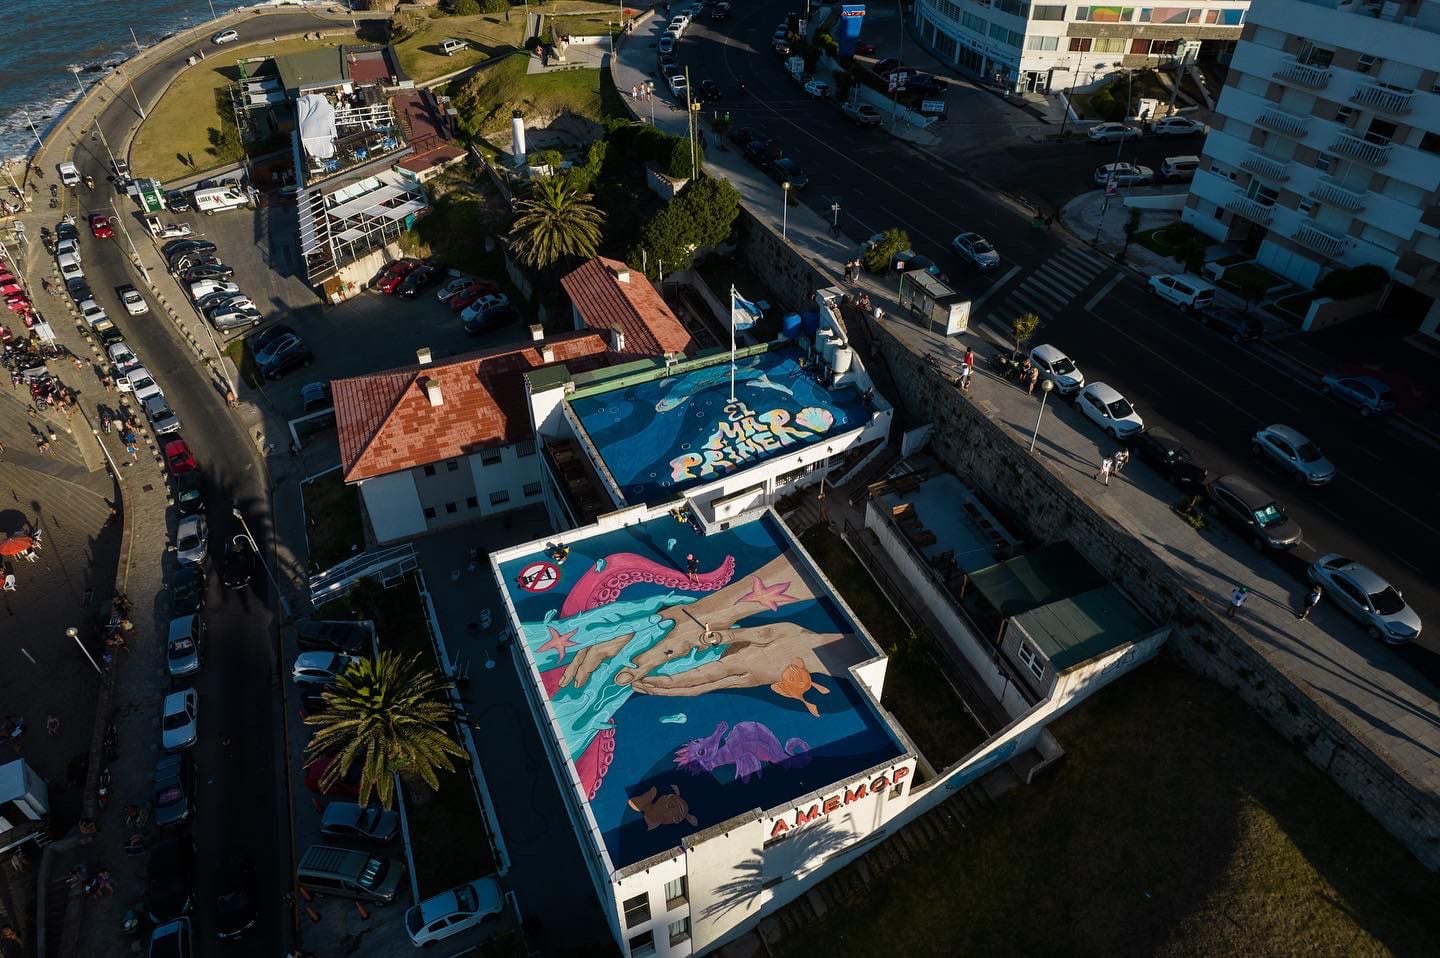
(1179, 824)
(486, 100)
(182, 122)
(1180, 240)
(332, 520)
(238, 350)
(916, 690)
(489, 35)
(1251, 277)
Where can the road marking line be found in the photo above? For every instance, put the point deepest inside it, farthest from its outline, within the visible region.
(994, 288)
(25, 652)
(1104, 291)
(1058, 269)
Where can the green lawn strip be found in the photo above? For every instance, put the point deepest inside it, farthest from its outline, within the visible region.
(487, 36)
(1178, 824)
(333, 522)
(1241, 276)
(238, 351)
(182, 123)
(486, 100)
(916, 690)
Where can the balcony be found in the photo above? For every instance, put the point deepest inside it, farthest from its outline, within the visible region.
(1267, 166)
(1371, 154)
(1250, 209)
(1320, 241)
(1382, 98)
(1286, 124)
(1293, 71)
(1329, 192)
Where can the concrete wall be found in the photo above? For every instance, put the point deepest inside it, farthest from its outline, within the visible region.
(1325, 312)
(393, 506)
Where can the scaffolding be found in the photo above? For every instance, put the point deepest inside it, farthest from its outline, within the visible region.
(338, 228)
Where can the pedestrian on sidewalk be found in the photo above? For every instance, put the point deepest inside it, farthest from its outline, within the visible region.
(969, 360)
(1310, 602)
(692, 568)
(965, 373)
(1238, 595)
(1107, 465)
(1033, 379)
(52, 724)
(1122, 459)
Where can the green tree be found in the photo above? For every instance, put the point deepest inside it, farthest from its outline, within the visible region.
(550, 158)
(702, 215)
(554, 223)
(465, 8)
(494, 6)
(879, 254)
(679, 166)
(1023, 327)
(388, 714)
(582, 176)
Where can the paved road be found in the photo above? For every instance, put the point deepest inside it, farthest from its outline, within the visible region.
(1208, 391)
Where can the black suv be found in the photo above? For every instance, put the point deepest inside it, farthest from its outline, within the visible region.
(1171, 459)
(1254, 511)
(1240, 326)
(333, 635)
(291, 356)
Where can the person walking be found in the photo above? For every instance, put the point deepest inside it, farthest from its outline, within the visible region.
(1238, 595)
(1310, 602)
(1122, 459)
(966, 371)
(52, 725)
(1107, 465)
(692, 568)
(1034, 378)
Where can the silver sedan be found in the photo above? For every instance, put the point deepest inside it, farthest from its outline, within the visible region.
(1369, 599)
(1293, 453)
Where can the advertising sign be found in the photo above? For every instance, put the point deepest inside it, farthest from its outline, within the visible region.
(932, 106)
(852, 16)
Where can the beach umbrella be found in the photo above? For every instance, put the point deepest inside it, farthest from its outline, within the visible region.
(14, 545)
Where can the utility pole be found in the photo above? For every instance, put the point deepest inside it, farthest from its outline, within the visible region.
(101, 134)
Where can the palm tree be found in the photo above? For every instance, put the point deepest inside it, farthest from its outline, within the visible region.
(555, 222)
(388, 714)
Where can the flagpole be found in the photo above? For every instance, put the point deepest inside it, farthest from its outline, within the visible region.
(732, 342)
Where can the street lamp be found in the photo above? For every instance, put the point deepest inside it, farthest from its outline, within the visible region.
(784, 209)
(1045, 387)
(74, 633)
(265, 565)
(76, 70)
(835, 218)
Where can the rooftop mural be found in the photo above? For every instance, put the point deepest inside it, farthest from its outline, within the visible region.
(667, 434)
(693, 678)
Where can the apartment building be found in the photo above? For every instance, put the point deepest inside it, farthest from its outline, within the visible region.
(1039, 47)
(1326, 153)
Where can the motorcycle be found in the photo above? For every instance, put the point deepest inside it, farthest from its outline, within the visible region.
(102, 792)
(111, 743)
(89, 182)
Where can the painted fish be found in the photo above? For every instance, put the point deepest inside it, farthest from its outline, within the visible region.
(688, 385)
(795, 681)
(666, 810)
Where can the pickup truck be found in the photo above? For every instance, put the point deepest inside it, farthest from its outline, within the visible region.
(861, 113)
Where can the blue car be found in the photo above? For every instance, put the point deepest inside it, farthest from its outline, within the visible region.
(1368, 395)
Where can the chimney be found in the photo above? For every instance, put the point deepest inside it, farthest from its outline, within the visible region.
(517, 137)
(537, 332)
(622, 275)
(422, 355)
(547, 353)
(432, 391)
(617, 339)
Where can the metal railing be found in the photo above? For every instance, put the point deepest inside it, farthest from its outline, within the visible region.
(384, 565)
(1371, 154)
(1263, 164)
(1284, 123)
(1250, 209)
(1319, 240)
(1383, 98)
(1328, 191)
(1292, 70)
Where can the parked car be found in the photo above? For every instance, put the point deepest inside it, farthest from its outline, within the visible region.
(101, 227)
(1240, 326)
(420, 279)
(132, 299)
(178, 714)
(1123, 174)
(1296, 455)
(210, 301)
(320, 668)
(69, 265)
(452, 287)
(368, 825)
(177, 246)
(862, 113)
(786, 170)
(69, 246)
(1368, 395)
(1177, 126)
(483, 304)
(925, 84)
(666, 44)
(189, 492)
(710, 91)
(1184, 290)
(208, 287)
(231, 304)
(140, 382)
(286, 356)
(453, 912)
(1253, 510)
(178, 458)
(236, 895)
(182, 646)
(1177, 168)
(977, 249)
(740, 136)
(177, 202)
(235, 318)
(353, 638)
(1171, 459)
(1058, 369)
(173, 790)
(121, 357)
(1366, 597)
(679, 86)
(237, 562)
(393, 274)
(1109, 132)
(191, 539)
(818, 89)
(721, 11)
(200, 271)
(1111, 411)
(493, 317)
(187, 590)
(170, 940)
(170, 879)
(885, 67)
(473, 291)
(69, 173)
(183, 262)
(763, 150)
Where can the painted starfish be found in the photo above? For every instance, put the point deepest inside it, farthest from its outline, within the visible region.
(770, 596)
(558, 642)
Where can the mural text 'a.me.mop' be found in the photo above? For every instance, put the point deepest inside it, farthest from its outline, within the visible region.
(745, 434)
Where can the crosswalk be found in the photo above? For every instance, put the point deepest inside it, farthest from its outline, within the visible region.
(1053, 286)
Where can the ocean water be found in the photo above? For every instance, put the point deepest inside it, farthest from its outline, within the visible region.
(44, 39)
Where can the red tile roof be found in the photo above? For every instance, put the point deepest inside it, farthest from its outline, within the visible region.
(386, 423)
(421, 162)
(633, 307)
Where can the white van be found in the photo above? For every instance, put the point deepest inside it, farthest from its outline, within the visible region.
(1182, 289)
(1179, 167)
(217, 199)
(451, 46)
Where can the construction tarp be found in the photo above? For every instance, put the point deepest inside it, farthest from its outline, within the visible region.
(317, 125)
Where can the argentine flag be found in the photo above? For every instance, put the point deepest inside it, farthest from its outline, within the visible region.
(743, 313)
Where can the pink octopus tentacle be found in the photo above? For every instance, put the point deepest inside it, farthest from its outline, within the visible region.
(601, 586)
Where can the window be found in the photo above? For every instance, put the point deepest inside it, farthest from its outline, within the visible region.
(1326, 163)
(1082, 14)
(1381, 132)
(972, 22)
(472, 503)
(637, 912)
(1032, 659)
(1430, 143)
(429, 512)
(1232, 18)
(1366, 63)
(1343, 115)
(1047, 12)
(675, 892)
(1079, 44)
(532, 489)
(1109, 45)
(1145, 14)
(895, 790)
(525, 447)
(500, 498)
(997, 32)
(1042, 43)
(429, 470)
(1312, 56)
(451, 508)
(1261, 193)
(679, 931)
(642, 945)
(490, 457)
(452, 465)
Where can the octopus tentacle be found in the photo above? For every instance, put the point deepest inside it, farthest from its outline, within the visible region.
(603, 584)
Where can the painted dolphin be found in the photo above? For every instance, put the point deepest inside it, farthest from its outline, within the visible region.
(687, 386)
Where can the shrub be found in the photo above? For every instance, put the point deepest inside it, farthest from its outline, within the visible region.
(1349, 283)
(679, 165)
(494, 6)
(877, 258)
(550, 158)
(702, 215)
(465, 8)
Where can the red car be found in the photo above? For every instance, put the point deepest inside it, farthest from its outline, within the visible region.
(865, 49)
(10, 289)
(347, 787)
(100, 226)
(178, 458)
(471, 293)
(395, 274)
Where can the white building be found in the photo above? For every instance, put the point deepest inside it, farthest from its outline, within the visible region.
(1327, 150)
(1042, 47)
